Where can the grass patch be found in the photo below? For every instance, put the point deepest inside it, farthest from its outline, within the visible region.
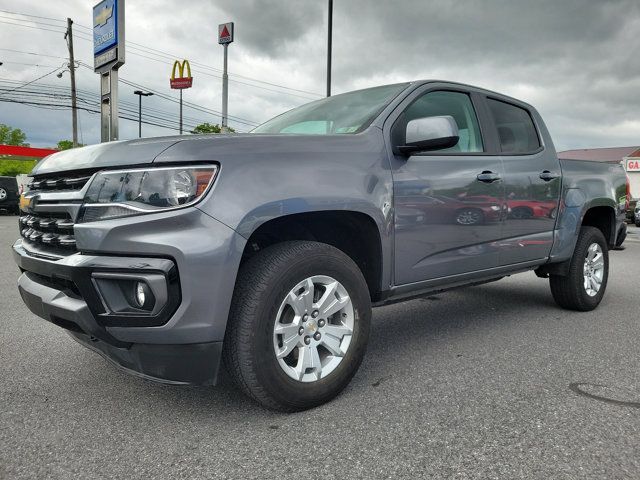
(10, 167)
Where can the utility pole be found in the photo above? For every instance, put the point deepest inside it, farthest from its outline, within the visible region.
(329, 35)
(141, 94)
(72, 73)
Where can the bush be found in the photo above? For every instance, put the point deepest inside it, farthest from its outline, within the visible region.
(11, 168)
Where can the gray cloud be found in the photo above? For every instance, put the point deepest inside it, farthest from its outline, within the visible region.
(575, 60)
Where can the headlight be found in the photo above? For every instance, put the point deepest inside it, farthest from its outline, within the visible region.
(122, 193)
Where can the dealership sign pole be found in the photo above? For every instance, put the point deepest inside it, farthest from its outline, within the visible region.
(108, 57)
(181, 82)
(225, 37)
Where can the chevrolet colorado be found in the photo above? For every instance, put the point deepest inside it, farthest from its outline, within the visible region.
(267, 250)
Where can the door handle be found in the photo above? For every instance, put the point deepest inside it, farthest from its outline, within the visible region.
(546, 175)
(488, 176)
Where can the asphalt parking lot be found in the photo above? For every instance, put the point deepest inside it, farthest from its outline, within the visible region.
(483, 382)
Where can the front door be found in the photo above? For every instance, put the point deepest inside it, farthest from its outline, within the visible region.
(448, 204)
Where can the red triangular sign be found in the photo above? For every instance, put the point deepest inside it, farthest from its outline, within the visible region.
(225, 32)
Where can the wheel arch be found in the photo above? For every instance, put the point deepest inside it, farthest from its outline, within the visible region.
(602, 217)
(354, 233)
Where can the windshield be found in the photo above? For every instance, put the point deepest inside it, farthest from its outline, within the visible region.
(349, 112)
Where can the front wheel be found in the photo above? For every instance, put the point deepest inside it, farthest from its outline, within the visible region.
(469, 216)
(298, 326)
(584, 286)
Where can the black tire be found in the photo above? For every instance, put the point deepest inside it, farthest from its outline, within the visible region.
(263, 282)
(622, 236)
(637, 222)
(569, 291)
(522, 213)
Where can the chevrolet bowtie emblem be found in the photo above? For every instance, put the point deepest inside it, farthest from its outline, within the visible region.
(101, 18)
(25, 203)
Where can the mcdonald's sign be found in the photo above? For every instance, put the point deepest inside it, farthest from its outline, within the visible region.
(181, 81)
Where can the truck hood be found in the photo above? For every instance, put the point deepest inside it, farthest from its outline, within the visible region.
(111, 154)
(194, 148)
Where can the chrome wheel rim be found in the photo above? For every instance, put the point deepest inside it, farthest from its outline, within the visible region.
(313, 328)
(468, 217)
(593, 269)
(3, 194)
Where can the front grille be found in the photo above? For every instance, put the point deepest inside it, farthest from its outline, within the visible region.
(49, 230)
(59, 183)
(53, 201)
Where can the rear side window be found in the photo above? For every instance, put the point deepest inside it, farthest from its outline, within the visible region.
(516, 130)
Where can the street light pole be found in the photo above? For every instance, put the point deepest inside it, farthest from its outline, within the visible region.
(141, 94)
(329, 35)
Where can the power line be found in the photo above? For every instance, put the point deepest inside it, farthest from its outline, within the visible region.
(31, 53)
(192, 105)
(89, 110)
(34, 80)
(62, 99)
(33, 16)
(31, 26)
(45, 95)
(30, 21)
(27, 64)
(154, 51)
(91, 98)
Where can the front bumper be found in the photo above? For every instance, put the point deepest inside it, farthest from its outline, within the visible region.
(193, 364)
(183, 344)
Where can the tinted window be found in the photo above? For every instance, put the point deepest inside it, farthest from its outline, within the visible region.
(456, 104)
(516, 130)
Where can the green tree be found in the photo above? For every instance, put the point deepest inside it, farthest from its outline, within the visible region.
(12, 136)
(209, 128)
(66, 145)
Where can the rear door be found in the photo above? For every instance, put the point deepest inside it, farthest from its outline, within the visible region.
(448, 203)
(532, 182)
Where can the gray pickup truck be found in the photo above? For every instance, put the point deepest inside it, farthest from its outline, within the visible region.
(267, 250)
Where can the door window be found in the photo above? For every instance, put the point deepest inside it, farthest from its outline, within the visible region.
(516, 130)
(456, 104)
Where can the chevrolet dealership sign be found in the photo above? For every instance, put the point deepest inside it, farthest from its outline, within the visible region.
(108, 34)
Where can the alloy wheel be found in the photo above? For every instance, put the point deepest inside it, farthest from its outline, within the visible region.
(593, 269)
(313, 328)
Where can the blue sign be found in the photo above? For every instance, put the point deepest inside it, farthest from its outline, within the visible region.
(105, 26)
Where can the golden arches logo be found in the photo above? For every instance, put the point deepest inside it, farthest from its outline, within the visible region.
(181, 67)
(181, 81)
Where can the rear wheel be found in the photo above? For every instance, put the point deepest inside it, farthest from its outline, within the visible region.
(584, 286)
(298, 326)
(621, 237)
(522, 213)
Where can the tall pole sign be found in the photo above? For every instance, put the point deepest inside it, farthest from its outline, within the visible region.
(108, 57)
(225, 37)
(181, 82)
(329, 40)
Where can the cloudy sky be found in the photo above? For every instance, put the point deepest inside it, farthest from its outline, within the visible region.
(575, 60)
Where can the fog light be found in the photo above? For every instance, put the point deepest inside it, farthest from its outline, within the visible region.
(141, 293)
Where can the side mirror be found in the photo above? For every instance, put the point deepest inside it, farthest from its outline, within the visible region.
(430, 133)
